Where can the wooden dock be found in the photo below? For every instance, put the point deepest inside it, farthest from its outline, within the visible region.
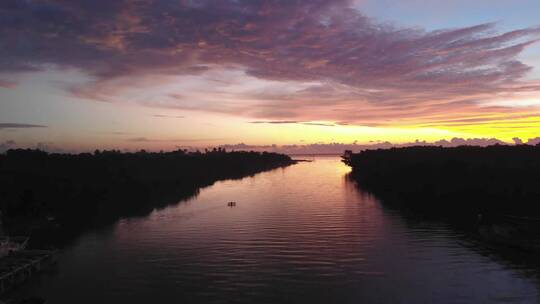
(18, 267)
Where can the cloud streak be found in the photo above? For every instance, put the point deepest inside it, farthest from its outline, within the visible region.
(275, 122)
(289, 122)
(19, 126)
(7, 84)
(310, 60)
(142, 139)
(166, 116)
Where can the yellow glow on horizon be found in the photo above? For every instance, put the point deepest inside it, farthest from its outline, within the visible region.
(298, 134)
(523, 128)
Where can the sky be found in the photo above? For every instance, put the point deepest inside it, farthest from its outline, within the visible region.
(162, 74)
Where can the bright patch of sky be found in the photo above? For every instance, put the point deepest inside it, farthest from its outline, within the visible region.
(442, 14)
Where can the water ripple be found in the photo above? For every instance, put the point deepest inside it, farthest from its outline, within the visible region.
(303, 234)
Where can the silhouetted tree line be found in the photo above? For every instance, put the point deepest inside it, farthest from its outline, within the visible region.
(467, 182)
(77, 189)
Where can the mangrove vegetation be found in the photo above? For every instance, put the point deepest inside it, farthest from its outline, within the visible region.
(66, 192)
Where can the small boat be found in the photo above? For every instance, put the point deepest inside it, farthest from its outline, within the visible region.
(231, 204)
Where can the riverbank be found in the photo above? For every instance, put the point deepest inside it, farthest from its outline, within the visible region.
(53, 197)
(303, 234)
(473, 187)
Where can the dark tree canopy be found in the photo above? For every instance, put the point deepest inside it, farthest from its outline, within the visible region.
(463, 180)
(75, 189)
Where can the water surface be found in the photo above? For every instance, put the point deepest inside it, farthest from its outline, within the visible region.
(303, 234)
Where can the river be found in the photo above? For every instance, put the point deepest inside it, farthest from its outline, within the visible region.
(301, 234)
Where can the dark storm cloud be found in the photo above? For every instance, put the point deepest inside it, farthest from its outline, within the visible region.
(388, 72)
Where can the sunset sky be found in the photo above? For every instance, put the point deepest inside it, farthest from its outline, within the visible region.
(161, 74)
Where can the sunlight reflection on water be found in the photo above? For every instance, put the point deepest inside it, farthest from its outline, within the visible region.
(299, 234)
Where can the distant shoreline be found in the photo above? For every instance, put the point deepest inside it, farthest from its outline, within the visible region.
(54, 197)
(478, 188)
(316, 154)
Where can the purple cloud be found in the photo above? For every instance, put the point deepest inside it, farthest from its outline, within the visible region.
(534, 141)
(349, 69)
